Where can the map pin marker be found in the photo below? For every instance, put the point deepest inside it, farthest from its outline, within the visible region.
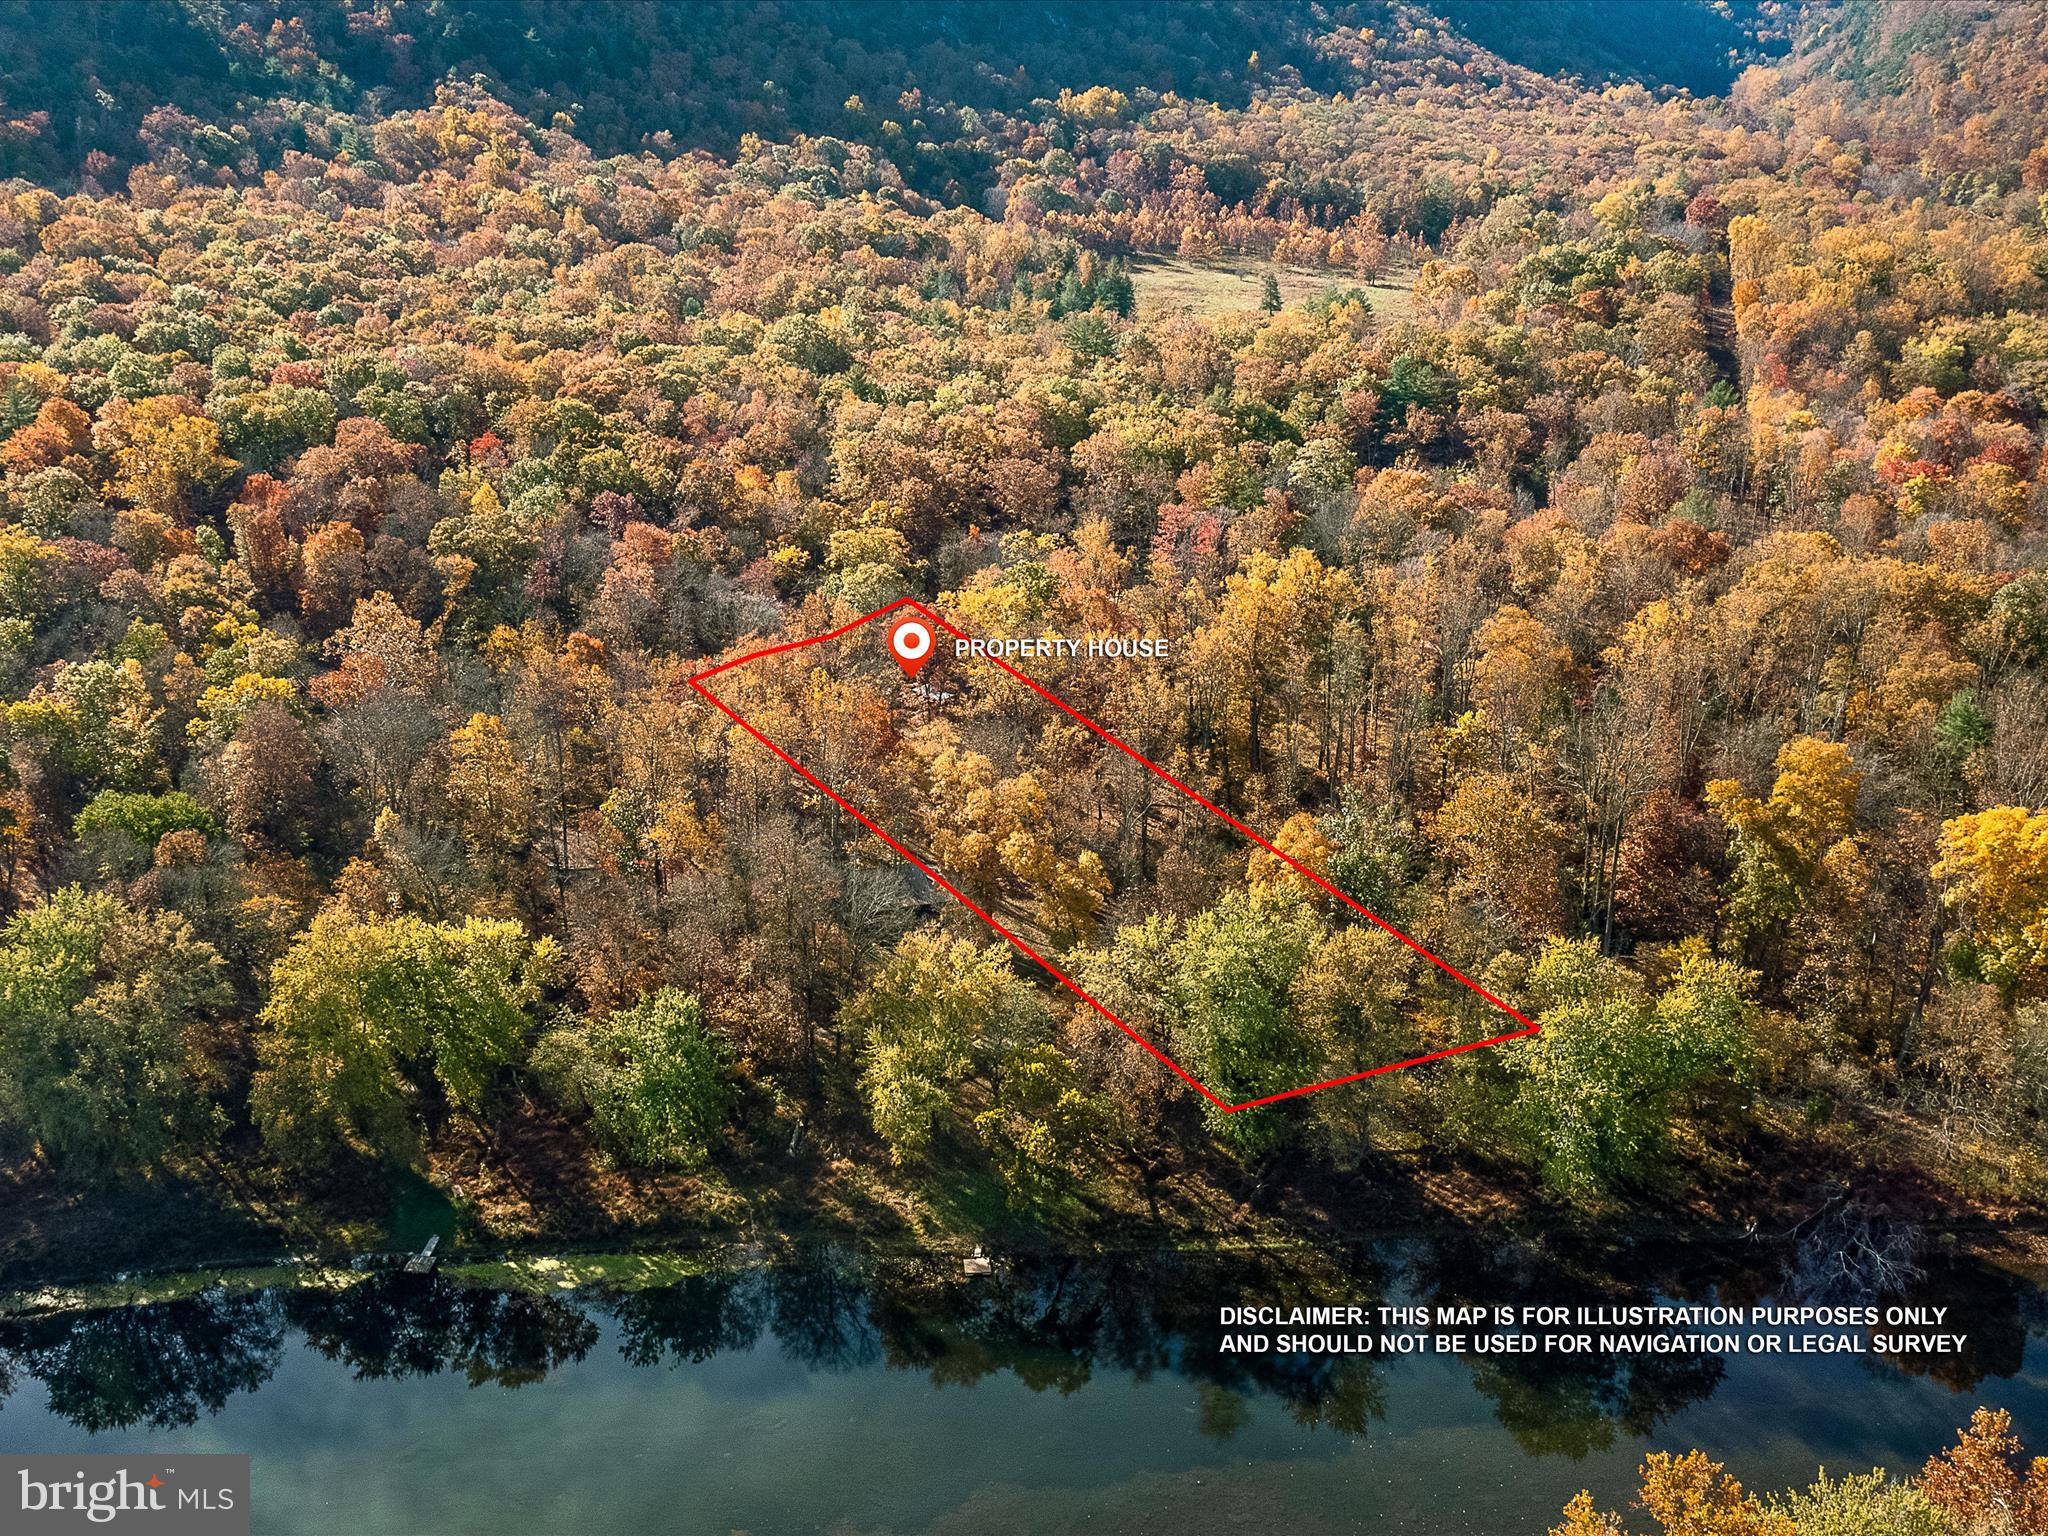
(911, 644)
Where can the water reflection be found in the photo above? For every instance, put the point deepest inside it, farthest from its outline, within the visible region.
(1999, 1311)
(1570, 1404)
(689, 1323)
(396, 1325)
(159, 1366)
(1052, 1323)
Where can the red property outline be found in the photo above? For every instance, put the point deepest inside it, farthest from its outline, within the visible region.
(1529, 1026)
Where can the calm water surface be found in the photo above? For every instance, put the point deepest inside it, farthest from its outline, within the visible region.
(824, 1393)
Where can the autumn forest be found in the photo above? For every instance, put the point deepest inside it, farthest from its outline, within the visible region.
(1596, 519)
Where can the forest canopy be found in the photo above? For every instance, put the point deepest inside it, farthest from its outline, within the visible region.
(1607, 544)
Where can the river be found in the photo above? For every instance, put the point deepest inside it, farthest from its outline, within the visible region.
(824, 1392)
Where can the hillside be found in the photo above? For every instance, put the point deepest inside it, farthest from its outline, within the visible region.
(1640, 609)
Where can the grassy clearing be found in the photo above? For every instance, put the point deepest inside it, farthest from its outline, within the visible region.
(541, 1273)
(1166, 284)
(535, 1273)
(144, 1290)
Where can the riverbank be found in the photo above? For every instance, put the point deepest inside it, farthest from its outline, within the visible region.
(533, 1192)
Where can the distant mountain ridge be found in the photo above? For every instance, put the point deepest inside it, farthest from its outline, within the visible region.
(88, 77)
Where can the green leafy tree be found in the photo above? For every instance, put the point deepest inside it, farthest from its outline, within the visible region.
(808, 343)
(931, 1009)
(122, 828)
(265, 427)
(1354, 997)
(27, 570)
(653, 1079)
(1232, 969)
(93, 723)
(96, 1002)
(368, 1014)
(1599, 1090)
(1232, 996)
(1870, 1505)
(1044, 1127)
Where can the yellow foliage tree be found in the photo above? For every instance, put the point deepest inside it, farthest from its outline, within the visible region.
(1503, 851)
(1301, 839)
(1779, 844)
(1687, 1496)
(1520, 665)
(488, 786)
(1994, 873)
(170, 455)
(984, 827)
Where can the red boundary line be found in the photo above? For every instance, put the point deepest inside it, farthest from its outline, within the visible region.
(1529, 1026)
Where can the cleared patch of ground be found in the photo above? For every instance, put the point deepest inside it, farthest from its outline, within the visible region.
(1165, 284)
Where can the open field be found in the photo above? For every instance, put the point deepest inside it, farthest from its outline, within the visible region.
(1168, 283)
